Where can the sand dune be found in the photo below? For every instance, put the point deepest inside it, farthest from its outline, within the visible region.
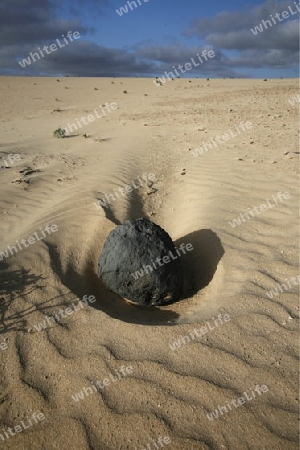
(170, 391)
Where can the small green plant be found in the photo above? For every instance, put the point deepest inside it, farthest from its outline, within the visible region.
(59, 133)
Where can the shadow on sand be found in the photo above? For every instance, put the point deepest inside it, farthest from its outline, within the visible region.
(199, 266)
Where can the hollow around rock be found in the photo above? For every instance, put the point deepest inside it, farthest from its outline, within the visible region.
(133, 263)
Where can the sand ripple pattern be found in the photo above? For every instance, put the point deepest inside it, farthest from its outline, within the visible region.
(169, 392)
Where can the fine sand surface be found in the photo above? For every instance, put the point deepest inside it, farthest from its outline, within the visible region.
(165, 393)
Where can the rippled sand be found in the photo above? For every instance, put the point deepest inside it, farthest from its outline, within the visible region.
(168, 392)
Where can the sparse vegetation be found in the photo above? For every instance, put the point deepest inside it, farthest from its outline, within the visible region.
(59, 133)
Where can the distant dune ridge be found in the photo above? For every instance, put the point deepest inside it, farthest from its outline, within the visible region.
(184, 389)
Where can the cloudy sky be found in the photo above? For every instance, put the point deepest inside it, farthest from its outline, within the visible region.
(151, 38)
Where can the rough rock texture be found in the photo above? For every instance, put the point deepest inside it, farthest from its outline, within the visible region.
(135, 246)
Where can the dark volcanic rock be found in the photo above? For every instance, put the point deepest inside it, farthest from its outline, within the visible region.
(128, 263)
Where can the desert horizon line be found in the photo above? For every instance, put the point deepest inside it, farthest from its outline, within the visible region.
(203, 77)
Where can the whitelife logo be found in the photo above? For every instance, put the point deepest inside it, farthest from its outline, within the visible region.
(86, 120)
(127, 189)
(12, 158)
(105, 382)
(188, 66)
(221, 139)
(200, 332)
(31, 240)
(53, 47)
(63, 313)
(294, 100)
(268, 23)
(157, 444)
(3, 345)
(124, 9)
(166, 259)
(279, 289)
(263, 207)
(236, 403)
(24, 424)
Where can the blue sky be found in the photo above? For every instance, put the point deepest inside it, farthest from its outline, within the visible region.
(151, 38)
(158, 21)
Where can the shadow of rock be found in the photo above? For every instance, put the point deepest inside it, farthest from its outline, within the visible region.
(113, 305)
(199, 265)
(135, 207)
(108, 210)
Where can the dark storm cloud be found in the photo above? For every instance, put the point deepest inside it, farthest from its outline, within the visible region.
(232, 30)
(97, 6)
(284, 36)
(274, 59)
(167, 56)
(26, 25)
(275, 47)
(90, 59)
(33, 21)
(80, 58)
(227, 22)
